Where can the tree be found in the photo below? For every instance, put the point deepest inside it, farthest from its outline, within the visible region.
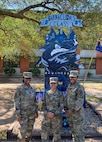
(19, 29)
(20, 8)
(19, 38)
(20, 23)
(24, 6)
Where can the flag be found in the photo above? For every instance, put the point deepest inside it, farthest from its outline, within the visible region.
(99, 46)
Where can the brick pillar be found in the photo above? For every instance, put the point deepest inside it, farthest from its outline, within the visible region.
(1, 65)
(98, 62)
(24, 64)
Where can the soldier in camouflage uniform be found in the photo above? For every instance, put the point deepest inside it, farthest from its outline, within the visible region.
(26, 108)
(74, 107)
(52, 105)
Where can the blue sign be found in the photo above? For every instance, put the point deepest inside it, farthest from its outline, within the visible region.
(63, 79)
(59, 52)
(39, 96)
(63, 20)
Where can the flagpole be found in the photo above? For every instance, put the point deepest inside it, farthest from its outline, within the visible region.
(89, 64)
(87, 73)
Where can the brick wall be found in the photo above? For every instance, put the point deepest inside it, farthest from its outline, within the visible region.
(98, 62)
(24, 64)
(1, 65)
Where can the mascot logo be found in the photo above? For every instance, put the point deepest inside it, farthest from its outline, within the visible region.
(59, 52)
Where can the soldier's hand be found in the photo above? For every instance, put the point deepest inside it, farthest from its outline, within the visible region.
(67, 112)
(50, 115)
(19, 119)
(36, 115)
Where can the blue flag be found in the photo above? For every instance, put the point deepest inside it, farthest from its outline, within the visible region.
(99, 46)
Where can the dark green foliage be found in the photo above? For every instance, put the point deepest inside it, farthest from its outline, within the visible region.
(35, 71)
(89, 74)
(9, 71)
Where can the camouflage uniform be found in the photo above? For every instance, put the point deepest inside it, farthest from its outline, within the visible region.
(74, 104)
(25, 108)
(52, 103)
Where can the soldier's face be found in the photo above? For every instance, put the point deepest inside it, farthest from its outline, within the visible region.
(53, 85)
(27, 80)
(73, 80)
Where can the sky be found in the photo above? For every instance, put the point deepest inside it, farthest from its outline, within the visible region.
(21, 5)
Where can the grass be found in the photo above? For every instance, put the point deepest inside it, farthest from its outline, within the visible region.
(93, 99)
(92, 84)
(39, 87)
(86, 84)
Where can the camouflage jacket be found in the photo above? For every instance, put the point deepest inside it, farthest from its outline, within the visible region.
(74, 97)
(53, 102)
(25, 100)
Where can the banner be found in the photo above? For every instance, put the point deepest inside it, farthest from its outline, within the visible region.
(64, 20)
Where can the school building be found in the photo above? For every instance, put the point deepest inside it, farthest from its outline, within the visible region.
(87, 56)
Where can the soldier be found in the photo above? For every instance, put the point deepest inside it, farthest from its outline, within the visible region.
(52, 105)
(26, 108)
(74, 107)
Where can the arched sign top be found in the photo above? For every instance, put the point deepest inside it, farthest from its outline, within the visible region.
(63, 20)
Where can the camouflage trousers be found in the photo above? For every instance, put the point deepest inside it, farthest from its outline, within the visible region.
(26, 127)
(54, 124)
(76, 123)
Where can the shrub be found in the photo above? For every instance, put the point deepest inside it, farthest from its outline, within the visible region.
(89, 74)
(35, 71)
(9, 71)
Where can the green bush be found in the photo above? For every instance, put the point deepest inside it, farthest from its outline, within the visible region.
(89, 74)
(35, 71)
(9, 71)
